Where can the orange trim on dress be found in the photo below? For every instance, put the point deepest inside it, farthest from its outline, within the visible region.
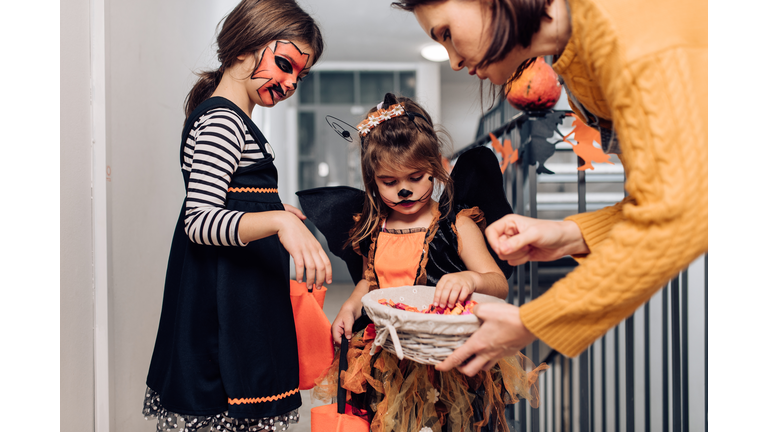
(254, 190)
(240, 401)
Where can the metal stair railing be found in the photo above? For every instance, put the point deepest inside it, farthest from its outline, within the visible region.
(649, 373)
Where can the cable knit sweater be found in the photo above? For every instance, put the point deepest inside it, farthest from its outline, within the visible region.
(642, 65)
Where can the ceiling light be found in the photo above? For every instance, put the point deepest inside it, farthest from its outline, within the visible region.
(435, 53)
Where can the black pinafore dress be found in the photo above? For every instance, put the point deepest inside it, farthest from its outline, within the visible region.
(226, 340)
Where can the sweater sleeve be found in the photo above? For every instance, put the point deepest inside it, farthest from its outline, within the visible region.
(638, 245)
(595, 226)
(217, 150)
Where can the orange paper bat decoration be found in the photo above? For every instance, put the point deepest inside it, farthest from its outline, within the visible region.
(508, 156)
(584, 136)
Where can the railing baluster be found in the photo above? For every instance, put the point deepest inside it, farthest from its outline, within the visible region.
(604, 385)
(584, 391)
(592, 387)
(522, 178)
(675, 291)
(684, 318)
(664, 361)
(616, 380)
(629, 335)
(583, 357)
(533, 188)
(563, 363)
(706, 343)
(647, 354)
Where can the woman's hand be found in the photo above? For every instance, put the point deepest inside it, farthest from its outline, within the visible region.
(519, 239)
(308, 255)
(454, 287)
(501, 334)
(342, 324)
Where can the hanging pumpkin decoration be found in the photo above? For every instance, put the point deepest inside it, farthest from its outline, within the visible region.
(537, 89)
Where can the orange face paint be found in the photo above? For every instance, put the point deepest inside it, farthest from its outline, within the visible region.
(280, 64)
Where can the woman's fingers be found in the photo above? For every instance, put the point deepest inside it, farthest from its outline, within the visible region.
(502, 228)
(476, 364)
(459, 356)
(509, 245)
(501, 333)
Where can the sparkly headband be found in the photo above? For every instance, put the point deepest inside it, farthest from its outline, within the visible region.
(379, 116)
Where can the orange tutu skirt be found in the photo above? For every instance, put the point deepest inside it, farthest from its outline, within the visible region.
(403, 395)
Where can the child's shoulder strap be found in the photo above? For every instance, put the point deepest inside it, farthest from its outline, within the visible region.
(220, 102)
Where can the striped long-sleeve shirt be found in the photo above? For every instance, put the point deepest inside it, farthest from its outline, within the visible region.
(218, 143)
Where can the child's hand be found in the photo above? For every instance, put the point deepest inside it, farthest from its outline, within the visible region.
(342, 325)
(454, 287)
(307, 253)
(293, 210)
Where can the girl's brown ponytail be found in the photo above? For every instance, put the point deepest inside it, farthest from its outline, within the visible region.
(202, 90)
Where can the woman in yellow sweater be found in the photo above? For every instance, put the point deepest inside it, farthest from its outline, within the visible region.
(638, 72)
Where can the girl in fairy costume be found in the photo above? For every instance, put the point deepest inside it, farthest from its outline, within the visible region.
(404, 237)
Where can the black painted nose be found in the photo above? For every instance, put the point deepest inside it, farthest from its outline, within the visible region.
(404, 193)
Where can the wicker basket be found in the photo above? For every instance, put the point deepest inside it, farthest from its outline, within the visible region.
(423, 338)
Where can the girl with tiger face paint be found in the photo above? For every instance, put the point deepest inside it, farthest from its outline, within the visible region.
(282, 64)
(268, 75)
(236, 237)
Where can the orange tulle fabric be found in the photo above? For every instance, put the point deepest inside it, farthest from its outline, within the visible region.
(408, 396)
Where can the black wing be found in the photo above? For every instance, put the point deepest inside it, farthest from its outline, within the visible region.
(477, 181)
(332, 209)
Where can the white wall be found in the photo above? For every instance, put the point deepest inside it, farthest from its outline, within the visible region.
(461, 101)
(428, 89)
(152, 50)
(76, 300)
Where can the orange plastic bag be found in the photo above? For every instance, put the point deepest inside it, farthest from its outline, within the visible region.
(325, 418)
(313, 333)
(337, 417)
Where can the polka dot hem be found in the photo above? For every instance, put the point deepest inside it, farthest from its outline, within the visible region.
(169, 421)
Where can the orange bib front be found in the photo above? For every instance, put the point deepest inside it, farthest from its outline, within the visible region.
(397, 257)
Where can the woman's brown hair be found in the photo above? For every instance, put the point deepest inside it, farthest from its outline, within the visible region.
(405, 141)
(250, 26)
(513, 23)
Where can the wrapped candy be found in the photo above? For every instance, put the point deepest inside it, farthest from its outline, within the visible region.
(460, 308)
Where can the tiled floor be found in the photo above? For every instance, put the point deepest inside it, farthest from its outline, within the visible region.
(336, 296)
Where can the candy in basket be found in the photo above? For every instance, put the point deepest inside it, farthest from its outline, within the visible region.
(413, 334)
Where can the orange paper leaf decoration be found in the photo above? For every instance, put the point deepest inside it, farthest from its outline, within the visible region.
(584, 137)
(508, 155)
